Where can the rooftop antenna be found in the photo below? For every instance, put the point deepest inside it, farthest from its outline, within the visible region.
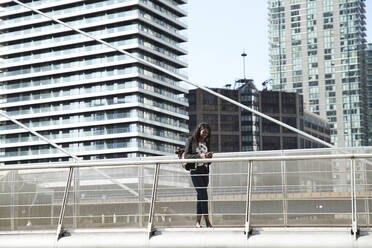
(265, 84)
(244, 55)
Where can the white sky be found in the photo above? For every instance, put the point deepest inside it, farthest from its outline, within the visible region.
(219, 31)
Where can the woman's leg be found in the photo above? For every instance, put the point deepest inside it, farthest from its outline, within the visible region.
(204, 181)
(204, 202)
(198, 220)
(196, 181)
(207, 222)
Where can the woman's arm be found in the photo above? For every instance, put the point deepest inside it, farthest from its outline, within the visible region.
(189, 153)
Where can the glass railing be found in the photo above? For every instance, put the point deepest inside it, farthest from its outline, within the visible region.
(308, 188)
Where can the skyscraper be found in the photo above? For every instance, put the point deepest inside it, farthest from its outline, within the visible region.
(368, 76)
(90, 99)
(315, 49)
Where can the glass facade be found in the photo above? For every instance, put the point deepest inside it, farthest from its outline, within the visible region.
(233, 129)
(93, 101)
(288, 108)
(222, 116)
(315, 50)
(250, 130)
(368, 76)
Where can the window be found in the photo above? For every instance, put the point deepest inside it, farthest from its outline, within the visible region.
(230, 143)
(289, 103)
(291, 121)
(269, 126)
(230, 123)
(209, 102)
(212, 120)
(270, 143)
(289, 143)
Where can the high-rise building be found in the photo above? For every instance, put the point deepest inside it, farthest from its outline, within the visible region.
(368, 76)
(315, 50)
(90, 99)
(235, 129)
(222, 116)
(288, 108)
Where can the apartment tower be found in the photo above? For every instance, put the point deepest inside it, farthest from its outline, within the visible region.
(91, 100)
(368, 76)
(315, 50)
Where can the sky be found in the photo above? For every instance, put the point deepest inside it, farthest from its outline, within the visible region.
(219, 31)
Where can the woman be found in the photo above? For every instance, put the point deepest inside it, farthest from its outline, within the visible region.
(197, 146)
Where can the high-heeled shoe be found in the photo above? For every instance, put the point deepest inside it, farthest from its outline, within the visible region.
(209, 225)
(197, 225)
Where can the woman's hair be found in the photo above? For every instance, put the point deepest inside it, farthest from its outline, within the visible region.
(196, 133)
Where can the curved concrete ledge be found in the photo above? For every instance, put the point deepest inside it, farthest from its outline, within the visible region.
(191, 237)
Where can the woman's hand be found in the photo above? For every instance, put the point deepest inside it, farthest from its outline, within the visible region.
(206, 155)
(209, 155)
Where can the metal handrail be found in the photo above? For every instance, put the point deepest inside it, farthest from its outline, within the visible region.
(112, 163)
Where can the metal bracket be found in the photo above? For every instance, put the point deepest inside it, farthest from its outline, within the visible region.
(247, 230)
(355, 231)
(61, 232)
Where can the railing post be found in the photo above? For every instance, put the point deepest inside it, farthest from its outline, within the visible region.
(140, 194)
(248, 229)
(284, 192)
(153, 199)
(76, 208)
(367, 192)
(365, 178)
(12, 200)
(210, 198)
(354, 223)
(60, 229)
(52, 209)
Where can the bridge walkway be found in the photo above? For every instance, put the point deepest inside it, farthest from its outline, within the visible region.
(256, 199)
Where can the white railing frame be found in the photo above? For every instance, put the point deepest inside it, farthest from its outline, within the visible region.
(113, 163)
